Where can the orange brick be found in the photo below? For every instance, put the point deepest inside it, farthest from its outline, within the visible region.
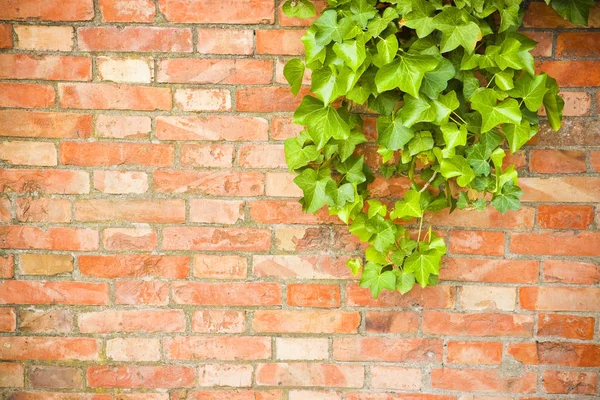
(310, 374)
(48, 181)
(560, 299)
(556, 243)
(48, 348)
(571, 272)
(49, 321)
(135, 39)
(474, 352)
(8, 320)
(207, 155)
(57, 292)
(432, 297)
(557, 353)
(287, 212)
(132, 321)
(262, 156)
(217, 183)
(384, 377)
(568, 189)
(225, 41)
(281, 184)
(387, 349)
(218, 321)
(566, 382)
(299, 239)
(123, 127)
(24, 95)
(44, 38)
(131, 376)
(142, 292)
(215, 12)
(6, 38)
(133, 349)
(567, 326)
(286, 42)
(302, 348)
(30, 237)
(283, 128)
(578, 44)
(6, 266)
(211, 348)
(28, 153)
(544, 46)
(48, 10)
(539, 15)
(391, 322)
(595, 160)
(227, 294)
(313, 295)
(47, 67)
(203, 99)
(486, 219)
(131, 210)
(229, 395)
(488, 298)
(220, 267)
(489, 270)
(565, 217)
(301, 267)
(108, 154)
(321, 321)
(134, 266)
(116, 97)
(45, 124)
(12, 375)
(215, 71)
(475, 242)
(267, 99)
(213, 128)
(126, 11)
(572, 73)
(482, 380)
(116, 182)
(43, 210)
(231, 375)
(129, 239)
(441, 323)
(216, 211)
(557, 161)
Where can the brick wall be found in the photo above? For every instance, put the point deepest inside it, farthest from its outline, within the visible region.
(154, 248)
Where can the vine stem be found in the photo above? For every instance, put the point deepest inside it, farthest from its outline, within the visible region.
(419, 234)
(428, 182)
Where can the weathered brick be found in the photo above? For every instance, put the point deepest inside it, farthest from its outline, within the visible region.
(225, 41)
(118, 182)
(129, 239)
(217, 128)
(300, 239)
(53, 292)
(302, 348)
(43, 210)
(567, 326)
(203, 99)
(267, 99)
(220, 267)
(217, 183)
(313, 295)
(565, 216)
(301, 267)
(55, 377)
(122, 126)
(480, 380)
(44, 38)
(125, 69)
(215, 71)
(232, 375)
(281, 184)
(48, 181)
(262, 156)
(557, 161)
(488, 298)
(310, 374)
(25, 95)
(292, 321)
(216, 211)
(213, 348)
(31, 237)
(134, 210)
(130, 376)
(135, 39)
(578, 44)
(474, 352)
(12, 375)
(566, 382)
(218, 321)
(48, 348)
(387, 349)
(391, 321)
(227, 294)
(138, 292)
(126, 11)
(274, 41)
(216, 239)
(28, 153)
(133, 349)
(47, 10)
(106, 96)
(46, 264)
(132, 321)
(572, 189)
(50, 321)
(48, 67)
(489, 270)
(384, 377)
(35, 124)
(207, 155)
(477, 242)
(6, 36)
(560, 299)
(432, 297)
(217, 12)
(8, 319)
(441, 323)
(556, 243)
(134, 266)
(108, 154)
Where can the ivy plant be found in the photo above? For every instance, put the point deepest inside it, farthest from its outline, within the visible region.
(453, 85)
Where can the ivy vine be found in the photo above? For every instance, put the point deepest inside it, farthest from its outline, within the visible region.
(454, 87)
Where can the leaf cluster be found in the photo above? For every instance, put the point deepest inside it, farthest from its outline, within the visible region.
(454, 89)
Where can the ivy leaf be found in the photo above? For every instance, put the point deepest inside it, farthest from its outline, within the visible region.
(294, 74)
(392, 134)
(328, 28)
(315, 51)
(376, 208)
(352, 169)
(373, 255)
(454, 135)
(531, 89)
(576, 11)
(308, 109)
(327, 123)
(455, 31)
(478, 159)
(387, 49)
(422, 141)
(352, 52)
(493, 114)
(553, 104)
(380, 23)
(417, 110)
(509, 55)
(317, 187)
(355, 265)
(518, 135)
(423, 265)
(323, 84)
(385, 233)
(404, 282)
(297, 156)
(508, 198)
(363, 12)
(376, 280)
(343, 195)
(405, 72)
(420, 18)
(347, 146)
(509, 17)
(456, 166)
(436, 81)
(299, 8)
(410, 206)
(362, 228)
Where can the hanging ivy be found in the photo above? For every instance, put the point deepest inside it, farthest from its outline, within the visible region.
(454, 87)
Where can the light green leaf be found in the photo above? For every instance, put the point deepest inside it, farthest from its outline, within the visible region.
(478, 159)
(387, 49)
(454, 135)
(376, 208)
(436, 81)
(423, 265)
(422, 141)
(420, 18)
(299, 8)
(553, 104)
(327, 123)
(363, 12)
(508, 199)
(531, 89)
(493, 113)
(308, 109)
(294, 74)
(317, 187)
(509, 55)
(297, 156)
(410, 206)
(404, 282)
(385, 233)
(576, 11)
(456, 31)
(352, 52)
(352, 169)
(405, 72)
(518, 135)
(323, 84)
(392, 134)
(457, 166)
(417, 110)
(376, 280)
(379, 24)
(355, 265)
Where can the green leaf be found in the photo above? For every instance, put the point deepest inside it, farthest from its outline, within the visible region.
(376, 280)
(362, 228)
(436, 81)
(299, 8)
(376, 208)
(308, 109)
(315, 51)
(323, 84)
(352, 169)
(373, 255)
(508, 199)
(420, 18)
(317, 188)
(576, 11)
(294, 74)
(457, 166)
(347, 146)
(493, 113)
(380, 23)
(387, 49)
(478, 159)
(509, 55)
(456, 31)
(352, 52)
(404, 282)
(297, 156)
(454, 135)
(363, 12)
(392, 134)
(423, 265)
(410, 206)
(417, 110)
(405, 72)
(328, 123)
(385, 233)
(531, 89)
(355, 265)
(518, 135)
(422, 141)
(553, 104)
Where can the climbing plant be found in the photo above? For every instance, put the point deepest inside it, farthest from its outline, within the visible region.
(454, 88)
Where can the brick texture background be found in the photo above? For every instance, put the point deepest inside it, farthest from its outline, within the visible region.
(153, 246)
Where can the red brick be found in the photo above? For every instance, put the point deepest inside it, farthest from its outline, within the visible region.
(559, 353)
(108, 154)
(595, 160)
(310, 374)
(55, 377)
(130, 376)
(134, 266)
(126, 11)
(50, 321)
(227, 294)
(302, 348)
(489, 270)
(583, 299)
(557, 161)
(44, 38)
(5, 210)
(566, 382)
(572, 189)
(286, 42)
(135, 39)
(474, 352)
(482, 380)
(123, 126)
(45, 124)
(387, 349)
(220, 267)
(216, 239)
(203, 99)
(576, 104)
(219, 12)
(216, 211)
(401, 396)
(48, 348)
(133, 349)
(391, 321)
(565, 216)
(544, 46)
(120, 182)
(142, 292)
(47, 10)
(301, 267)
(117, 97)
(488, 218)
(135, 210)
(217, 128)
(571, 272)
(231, 375)
(12, 375)
(477, 242)
(215, 71)
(300, 239)
(225, 41)
(539, 15)
(30, 237)
(48, 181)
(24, 95)
(6, 39)
(47, 67)
(58, 396)
(218, 321)
(228, 395)
(487, 298)
(143, 396)
(46, 264)
(43, 210)
(432, 297)
(129, 239)
(217, 183)
(283, 128)
(217, 348)
(132, 321)
(578, 44)
(53, 292)
(556, 243)
(287, 212)
(572, 73)
(441, 323)
(207, 155)
(262, 156)
(313, 295)
(281, 184)
(267, 99)
(125, 69)
(384, 377)
(8, 320)
(317, 321)
(567, 326)
(28, 153)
